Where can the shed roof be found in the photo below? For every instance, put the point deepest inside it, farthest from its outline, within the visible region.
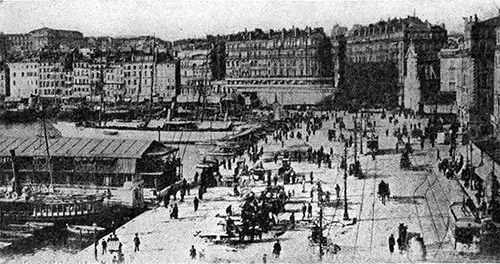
(81, 147)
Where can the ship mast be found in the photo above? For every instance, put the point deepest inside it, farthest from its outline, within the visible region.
(49, 163)
(153, 75)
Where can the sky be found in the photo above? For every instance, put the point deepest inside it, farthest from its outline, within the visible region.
(177, 19)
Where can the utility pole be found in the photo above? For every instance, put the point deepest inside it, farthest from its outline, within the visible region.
(321, 233)
(356, 137)
(346, 214)
(361, 137)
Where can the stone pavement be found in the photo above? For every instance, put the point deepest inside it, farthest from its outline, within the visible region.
(420, 199)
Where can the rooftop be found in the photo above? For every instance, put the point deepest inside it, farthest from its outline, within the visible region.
(82, 147)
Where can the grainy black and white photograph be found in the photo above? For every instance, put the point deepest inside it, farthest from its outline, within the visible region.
(259, 131)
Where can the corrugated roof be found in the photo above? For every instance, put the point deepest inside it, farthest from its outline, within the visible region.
(81, 147)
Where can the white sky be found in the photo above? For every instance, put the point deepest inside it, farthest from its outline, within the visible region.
(175, 19)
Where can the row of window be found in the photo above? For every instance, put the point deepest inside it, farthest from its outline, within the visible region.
(271, 43)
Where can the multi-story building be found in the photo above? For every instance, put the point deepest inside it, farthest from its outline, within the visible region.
(138, 74)
(166, 80)
(293, 66)
(479, 47)
(81, 85)
(496, 85)
(3, 80)
(378, 51)
(51, 82)
(23, 79)
(113, 83)
(4, 46)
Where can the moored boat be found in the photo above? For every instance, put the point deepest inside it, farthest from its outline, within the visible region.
(84, 229)
(110, 132)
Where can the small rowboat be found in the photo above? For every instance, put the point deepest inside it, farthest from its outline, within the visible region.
(84, 229)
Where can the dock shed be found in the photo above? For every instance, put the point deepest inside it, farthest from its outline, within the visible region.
(86, 161)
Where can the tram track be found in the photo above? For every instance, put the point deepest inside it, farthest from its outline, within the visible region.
(373, 206)
(359, 217)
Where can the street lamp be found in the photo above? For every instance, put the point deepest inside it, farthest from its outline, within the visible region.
(346, 214)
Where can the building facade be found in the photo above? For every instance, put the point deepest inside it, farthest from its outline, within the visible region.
(479, 47)
(166, 79)
(291, 66)
(3, 81)
(496, 85)
(23, 79)
(51, 81)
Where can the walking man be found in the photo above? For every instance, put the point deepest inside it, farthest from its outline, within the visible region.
(196, 202)
(277, 249)
(392, 242)
(192, 252)
(309, 210)
(96, 250)
(104, 245)
(337, 190)
(137, 242)
(292, 220)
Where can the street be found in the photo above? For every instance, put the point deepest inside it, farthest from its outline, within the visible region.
(420, 199)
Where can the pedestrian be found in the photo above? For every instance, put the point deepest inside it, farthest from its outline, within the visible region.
(312, 194)
(196, 176)
(391, 243)
(337, 190)
(137, 242)
(96, 250)
(311, 177)
(304, 208)
(192, 252)
(437, 155)
(303, 184)
(196, 202)
(277, 249)
(309, 210)
(104, 245)
(275, 179)
(175, 212)
(292, 220)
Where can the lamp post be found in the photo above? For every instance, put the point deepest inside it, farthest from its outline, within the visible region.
(346, 214)
(361, 137)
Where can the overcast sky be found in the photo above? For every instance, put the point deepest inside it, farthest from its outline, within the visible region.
(175, 19)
